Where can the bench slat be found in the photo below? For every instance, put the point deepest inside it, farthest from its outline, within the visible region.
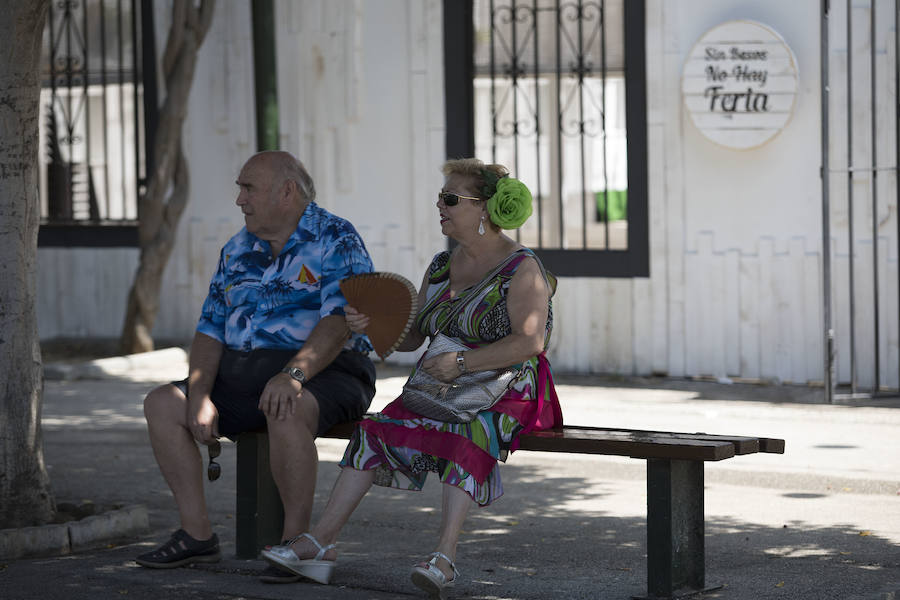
(742, 444)
(626, 443)
(771, 445)
(631, 442)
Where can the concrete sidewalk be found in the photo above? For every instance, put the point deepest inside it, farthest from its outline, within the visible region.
(821, 521)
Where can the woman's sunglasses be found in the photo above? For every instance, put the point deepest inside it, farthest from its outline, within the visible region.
(451, 199)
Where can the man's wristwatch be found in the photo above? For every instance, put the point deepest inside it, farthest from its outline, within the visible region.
(296, 373)
(461, 361)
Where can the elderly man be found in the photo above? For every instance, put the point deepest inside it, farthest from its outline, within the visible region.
(271, 349)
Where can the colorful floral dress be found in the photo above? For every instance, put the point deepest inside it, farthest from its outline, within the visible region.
(404, 447)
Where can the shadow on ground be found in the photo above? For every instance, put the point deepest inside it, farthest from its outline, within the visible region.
(565, 537)
(577, 535)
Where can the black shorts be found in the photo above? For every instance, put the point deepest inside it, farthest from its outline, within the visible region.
(344, 389)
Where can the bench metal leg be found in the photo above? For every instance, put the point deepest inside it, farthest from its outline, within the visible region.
(259, 511)
(675, 545)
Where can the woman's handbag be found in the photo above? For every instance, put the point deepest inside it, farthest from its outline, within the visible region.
(457, 401)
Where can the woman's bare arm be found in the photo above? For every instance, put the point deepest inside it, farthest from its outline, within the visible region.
(414, 337)
(527, 305)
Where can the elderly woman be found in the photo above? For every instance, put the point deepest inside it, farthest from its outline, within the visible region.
(492, 294)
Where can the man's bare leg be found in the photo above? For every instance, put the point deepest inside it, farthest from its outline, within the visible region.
(295, 460)
(165, 409)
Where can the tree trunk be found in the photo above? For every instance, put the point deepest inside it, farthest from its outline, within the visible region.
(25, 497)
(160, 208)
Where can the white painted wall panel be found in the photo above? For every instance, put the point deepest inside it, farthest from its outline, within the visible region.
(782, 303)
(642, 326)
(732, 306)
(671, 236)
(595, 332)
(812, 315)
(890, 311)
(571, 343)
(749, 329)
(770, 334)
(81, 292)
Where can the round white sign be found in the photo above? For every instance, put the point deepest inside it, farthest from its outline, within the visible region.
(739, 84)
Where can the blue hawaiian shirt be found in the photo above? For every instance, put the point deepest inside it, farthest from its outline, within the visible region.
(256, 301)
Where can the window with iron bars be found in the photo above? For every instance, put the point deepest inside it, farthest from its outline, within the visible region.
(558, 96)
(92, 115)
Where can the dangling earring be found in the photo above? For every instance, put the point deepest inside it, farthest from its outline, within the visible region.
(481, 226)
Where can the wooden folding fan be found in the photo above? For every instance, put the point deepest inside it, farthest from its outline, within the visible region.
(391, 303)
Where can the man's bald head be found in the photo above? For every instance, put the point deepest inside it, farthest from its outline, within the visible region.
(275, 191)
(284, 166)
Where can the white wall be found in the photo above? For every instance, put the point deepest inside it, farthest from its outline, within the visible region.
(363, 106)
(734, 233)
(735, 236)
(736, 261)
(82, 292)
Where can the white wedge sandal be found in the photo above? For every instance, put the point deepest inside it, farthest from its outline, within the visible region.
(285, 558)
(431, 579)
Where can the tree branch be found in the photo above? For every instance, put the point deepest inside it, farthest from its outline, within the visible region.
(166, 196)
(176, 35)
(206, 15)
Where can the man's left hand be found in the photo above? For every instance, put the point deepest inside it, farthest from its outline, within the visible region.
(279, 396)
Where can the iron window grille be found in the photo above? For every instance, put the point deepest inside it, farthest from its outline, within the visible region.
(93, 108)
(558, 95)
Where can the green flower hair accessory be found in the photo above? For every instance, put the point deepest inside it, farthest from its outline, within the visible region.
(510, 206)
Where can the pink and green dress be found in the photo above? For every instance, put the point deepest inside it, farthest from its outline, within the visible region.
(403, 447)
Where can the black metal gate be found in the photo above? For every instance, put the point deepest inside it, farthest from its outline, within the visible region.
(548, 85)
(860, 195)
(93, 113)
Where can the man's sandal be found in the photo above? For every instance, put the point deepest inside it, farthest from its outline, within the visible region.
(181, 550)
(317, 568)
(426, 576)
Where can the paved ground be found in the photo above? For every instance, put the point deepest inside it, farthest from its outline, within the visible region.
(820, 522)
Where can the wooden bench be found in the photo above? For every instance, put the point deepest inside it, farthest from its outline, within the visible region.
(675, 519)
